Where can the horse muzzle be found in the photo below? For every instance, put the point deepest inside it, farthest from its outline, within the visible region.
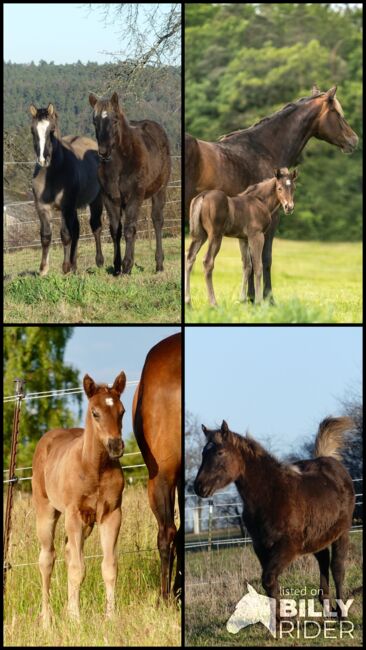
(115, 447)
(202, 490)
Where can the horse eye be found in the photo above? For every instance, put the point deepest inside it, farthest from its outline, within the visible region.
(95, 413)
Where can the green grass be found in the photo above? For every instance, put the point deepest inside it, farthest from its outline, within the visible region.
(93, 295)
(208, 606)
(313, 282)
(138, 582)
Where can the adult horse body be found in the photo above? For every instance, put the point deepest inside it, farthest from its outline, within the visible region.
(157, 426)
(247, 216)
(248, 156)
(77, 472)
(289, 510)
(134, 166)
(65, 179)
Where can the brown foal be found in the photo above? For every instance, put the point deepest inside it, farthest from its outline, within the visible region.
(77, 472)
(247, 216)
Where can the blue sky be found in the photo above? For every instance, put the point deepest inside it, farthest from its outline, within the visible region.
(102, 352)
(63, 33)
(278, 382)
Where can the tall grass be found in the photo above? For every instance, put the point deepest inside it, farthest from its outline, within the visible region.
(94, 295)
(140, 619)
(313, 282)
(216, 582)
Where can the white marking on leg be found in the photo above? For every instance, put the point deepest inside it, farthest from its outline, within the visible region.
(42, 127)
(109, 401)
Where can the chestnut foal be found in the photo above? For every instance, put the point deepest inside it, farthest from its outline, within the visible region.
(77, 472)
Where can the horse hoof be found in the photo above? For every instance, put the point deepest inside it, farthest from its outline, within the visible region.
(43, 272)
(66, 268)
(100, 262)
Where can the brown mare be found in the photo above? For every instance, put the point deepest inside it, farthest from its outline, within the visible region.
(247, 216)
(157, 426)
(250, 155)
(134, 166)
(289, 510)
(65, 178)
(77, 472)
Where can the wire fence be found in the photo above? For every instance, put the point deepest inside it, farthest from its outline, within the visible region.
(21, 224)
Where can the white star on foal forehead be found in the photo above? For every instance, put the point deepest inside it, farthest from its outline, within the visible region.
(288, 182)
(109, 401)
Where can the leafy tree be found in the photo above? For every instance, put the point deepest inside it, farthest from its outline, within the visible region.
(36, 354)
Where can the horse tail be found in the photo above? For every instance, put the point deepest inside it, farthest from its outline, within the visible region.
(331, 436)
(195, 225)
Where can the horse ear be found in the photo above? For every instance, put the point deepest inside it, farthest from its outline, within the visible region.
(114, 101)
(315, 91)
(33, 110)
(90, 386)
(92, 99)
(277, 173)
(330, 95)
(204, 429)
(295, 174)
(119, 383)
(50, 110)
(224, 428)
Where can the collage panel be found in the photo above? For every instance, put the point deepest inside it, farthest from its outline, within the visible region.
(92, 164)
(92, 486)
(273, 486)
(273, 163)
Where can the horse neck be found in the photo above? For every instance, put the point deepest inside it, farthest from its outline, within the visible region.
(93, 454)
(268, 194)
(259, 475)
(57, 150)
(286, 141)
(125, 135)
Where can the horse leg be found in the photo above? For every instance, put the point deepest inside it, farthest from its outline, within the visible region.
(96, 208)
(46, 520)
(158, 202)
(178, 542)
(323, 558)
(337, 565)
(267, 257)
(45, 217)
(256, 247)
(280, 557)
(114, 215)
(247, 267)
(109, 529)
(131, 214)
(209, 263)
(74, 559)
(161, 498)
(194, 247)
(70, 235)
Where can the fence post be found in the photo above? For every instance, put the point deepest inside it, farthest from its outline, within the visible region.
(19, 384)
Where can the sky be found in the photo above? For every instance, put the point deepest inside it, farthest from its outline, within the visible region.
(276, 382)
(102, 352)
(63, 33)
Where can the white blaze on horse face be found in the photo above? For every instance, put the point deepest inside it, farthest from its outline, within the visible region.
(42, 127)
(104, 114)
(288, 183)
(109, 401)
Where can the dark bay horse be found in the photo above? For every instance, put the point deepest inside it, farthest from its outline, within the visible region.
(65, 179)
(134, 166)
(289, 510)
(156, 410)
(248, 216)
(77, 472)
(249, 156)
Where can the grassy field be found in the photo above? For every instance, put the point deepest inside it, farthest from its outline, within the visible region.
(214, 587)
(312, 282)
(93, 295)
(139, 619)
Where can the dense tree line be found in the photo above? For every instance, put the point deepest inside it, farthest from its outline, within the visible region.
(245, 61)
(158, 96)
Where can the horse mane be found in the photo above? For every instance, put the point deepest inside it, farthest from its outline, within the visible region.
(282, 112)
(247, 443)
